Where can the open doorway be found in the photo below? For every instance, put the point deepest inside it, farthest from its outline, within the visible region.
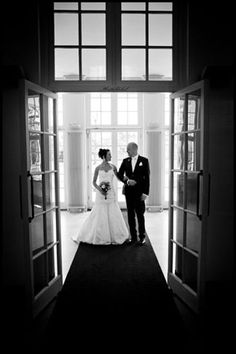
(89, 121)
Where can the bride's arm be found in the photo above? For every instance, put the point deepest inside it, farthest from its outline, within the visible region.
(115, 171)
(95, 176)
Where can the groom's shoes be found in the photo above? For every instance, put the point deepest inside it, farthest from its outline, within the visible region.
(131, 241)
(141, 241)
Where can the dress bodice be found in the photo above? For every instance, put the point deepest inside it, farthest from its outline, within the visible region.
(106, 176)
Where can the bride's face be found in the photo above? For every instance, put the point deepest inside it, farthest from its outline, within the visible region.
(108, 157)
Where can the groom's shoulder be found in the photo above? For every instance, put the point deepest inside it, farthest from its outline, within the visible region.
(143, 158)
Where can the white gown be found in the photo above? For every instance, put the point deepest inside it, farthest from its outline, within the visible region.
(105, 223)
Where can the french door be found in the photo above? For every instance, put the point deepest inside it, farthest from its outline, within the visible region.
(188, 207)
(40, 195)
(115, 140)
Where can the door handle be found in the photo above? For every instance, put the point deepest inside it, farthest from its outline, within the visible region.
(209, 194)
(30, 218)
(199, 215)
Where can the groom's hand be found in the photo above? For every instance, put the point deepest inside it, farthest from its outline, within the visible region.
(143, 197)
(131, 182)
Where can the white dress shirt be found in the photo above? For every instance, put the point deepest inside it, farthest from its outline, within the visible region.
(134, 161)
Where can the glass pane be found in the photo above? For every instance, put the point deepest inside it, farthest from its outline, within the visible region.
(65, 6)
(133, 64)
(106, 118)
(133, 6)
(94, 64)
(178, 225)
(106, 139)
(177, 260)
(178, 115)
(133, 29)
(178, 192)
(122, 104)
(160, 29)
(160, 6)
(37, 193)
(190, 270)
(49, 153)
(37, 233)
(52, 263)
(66, 64)
(49, 123)
(193, 162)
(51, 227)
(34, 113)
(90, 34)
(39, 272)
(95, 118)
(50, 190)
(192, 191)
(122, 118)
(66, 29)
(93, 5)
(105, 104)
(132, 104)
(132, 118)
(179, 152)
(95, 104)
(194, 111)
(160, 64)
(193, 232)
(35, 152)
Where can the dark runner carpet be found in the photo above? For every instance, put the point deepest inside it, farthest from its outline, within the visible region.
(115, 298)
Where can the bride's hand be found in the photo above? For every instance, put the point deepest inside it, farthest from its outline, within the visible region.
(101, 191)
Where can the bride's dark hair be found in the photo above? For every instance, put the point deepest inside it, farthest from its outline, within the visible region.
(103, 153)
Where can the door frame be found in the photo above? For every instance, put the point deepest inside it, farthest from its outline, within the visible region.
(196, 301)
(36, 303)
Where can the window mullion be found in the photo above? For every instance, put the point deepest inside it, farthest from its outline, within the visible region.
(80, 42)
(147, 42)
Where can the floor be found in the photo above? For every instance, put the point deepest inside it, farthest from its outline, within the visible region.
(157, 230)
(156, 227)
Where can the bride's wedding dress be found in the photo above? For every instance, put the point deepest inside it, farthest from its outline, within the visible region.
(105, 223)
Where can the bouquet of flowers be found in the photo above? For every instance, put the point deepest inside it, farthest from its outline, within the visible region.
(105, 186)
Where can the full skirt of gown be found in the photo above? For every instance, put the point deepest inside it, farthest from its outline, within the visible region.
(105, 223)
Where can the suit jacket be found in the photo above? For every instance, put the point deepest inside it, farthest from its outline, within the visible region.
(141, 175)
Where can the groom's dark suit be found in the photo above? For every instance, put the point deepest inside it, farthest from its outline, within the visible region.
(141, 175)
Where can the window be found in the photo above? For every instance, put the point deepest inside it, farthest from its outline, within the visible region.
(125, 46)
(146, 41)
(114, 121)
(79, 41)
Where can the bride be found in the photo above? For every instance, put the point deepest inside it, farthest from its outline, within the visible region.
(105, 224)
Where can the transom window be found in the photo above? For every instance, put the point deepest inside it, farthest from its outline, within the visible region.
(146, 41)
(115, 44)
(79, 49)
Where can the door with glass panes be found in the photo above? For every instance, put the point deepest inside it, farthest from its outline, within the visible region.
(188, 194)
(41, 206)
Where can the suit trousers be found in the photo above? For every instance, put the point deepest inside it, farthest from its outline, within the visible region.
(136, 206)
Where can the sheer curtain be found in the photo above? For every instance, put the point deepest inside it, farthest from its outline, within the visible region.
(154, 154)
(75, 171)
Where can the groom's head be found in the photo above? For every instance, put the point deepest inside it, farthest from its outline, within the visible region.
(132, 149)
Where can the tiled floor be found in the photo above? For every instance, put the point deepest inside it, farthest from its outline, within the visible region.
(156, 227)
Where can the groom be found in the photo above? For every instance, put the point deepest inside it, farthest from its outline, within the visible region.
(135, 173)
